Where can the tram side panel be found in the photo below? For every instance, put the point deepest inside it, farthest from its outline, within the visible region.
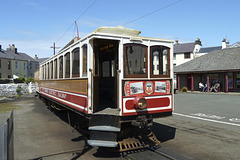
(72, 93)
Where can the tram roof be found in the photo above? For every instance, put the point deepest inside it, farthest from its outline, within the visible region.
(118, 31)
(122, 31)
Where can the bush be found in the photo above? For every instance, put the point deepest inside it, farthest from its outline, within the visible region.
(18, 90)
(184, 89)
(21, 79)
(28, 80)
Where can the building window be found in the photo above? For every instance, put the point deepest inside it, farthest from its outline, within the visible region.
(24, 66)
(0, 63)
(160, 61)
(16, 64)
(84, 64)
(135, 60)
(30, 65)
(9, 76)
(230, 80)
(61, 67)
(0, 75)
(187, 55)
(75, 63)
(67, 65)
(9, 64)
(238, 80)
(174, 56)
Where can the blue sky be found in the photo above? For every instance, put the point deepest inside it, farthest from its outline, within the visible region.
(34, 25)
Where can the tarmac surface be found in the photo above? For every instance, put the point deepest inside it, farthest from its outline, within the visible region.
(204, 126)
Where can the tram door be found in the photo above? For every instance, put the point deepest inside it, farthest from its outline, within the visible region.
(104, 79)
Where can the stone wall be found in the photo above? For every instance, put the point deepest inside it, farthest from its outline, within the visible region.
(9, 90)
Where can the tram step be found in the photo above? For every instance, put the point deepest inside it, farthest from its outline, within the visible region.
(103, 139)
(108, 123)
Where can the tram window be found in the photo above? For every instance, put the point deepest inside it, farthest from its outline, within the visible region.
(45, 72)
(51, 70)
(135, 60)
(105, 69)
(42, 69)
(67, 65)
(75, 63)
(55, 69)
(159, 61)
(61, 67)
(84, 65)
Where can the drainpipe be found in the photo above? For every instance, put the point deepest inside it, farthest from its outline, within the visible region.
(226, 80)
(179, 87)
(192, 86)
(208, 83)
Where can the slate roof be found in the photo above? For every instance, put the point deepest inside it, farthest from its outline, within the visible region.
(217, 60)
(209, 49)
(184, 47)
(8, 54)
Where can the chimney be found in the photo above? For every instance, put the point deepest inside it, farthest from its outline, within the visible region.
(198, 42)
(198, 45)
(176, 42)
(36, 57)
(224, 43)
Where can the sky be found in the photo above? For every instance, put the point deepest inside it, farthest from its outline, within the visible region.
(34, 25)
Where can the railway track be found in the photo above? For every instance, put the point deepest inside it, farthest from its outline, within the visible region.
(149, 153)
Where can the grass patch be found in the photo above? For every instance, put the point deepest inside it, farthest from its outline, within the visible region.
(6, 107)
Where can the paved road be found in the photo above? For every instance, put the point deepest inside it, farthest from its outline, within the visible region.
(204, 126)
(40, 134)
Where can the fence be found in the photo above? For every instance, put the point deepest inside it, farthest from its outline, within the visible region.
(6, 137)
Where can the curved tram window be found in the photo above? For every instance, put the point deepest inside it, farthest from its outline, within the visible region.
(61, 67)
(135, 60)
(159, 61)
(84, 64)
(67, 65)
(75, 63)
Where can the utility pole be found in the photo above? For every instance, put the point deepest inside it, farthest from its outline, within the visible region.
(77, 29)
(54, 48)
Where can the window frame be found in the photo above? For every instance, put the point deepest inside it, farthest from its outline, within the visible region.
(146, 61)
(186, 53)
(76, 51)
(65, 65)
(151, 59)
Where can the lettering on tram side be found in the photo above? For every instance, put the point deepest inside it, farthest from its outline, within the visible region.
(62, 95)
(207, 116)
(54, 93)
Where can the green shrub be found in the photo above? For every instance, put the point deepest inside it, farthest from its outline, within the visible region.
(21, 79)
(18, 90)
(28, 80)
(184, 89)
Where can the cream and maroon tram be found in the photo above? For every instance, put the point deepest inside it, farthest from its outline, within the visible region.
(112, 77)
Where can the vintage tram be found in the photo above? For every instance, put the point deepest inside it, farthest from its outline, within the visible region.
(113, 78)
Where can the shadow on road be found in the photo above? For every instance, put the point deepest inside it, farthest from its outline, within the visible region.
(163, 133)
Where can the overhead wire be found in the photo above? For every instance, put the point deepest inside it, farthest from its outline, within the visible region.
(152, 12)
(76, 20)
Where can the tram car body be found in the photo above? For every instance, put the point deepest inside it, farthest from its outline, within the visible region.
(111, 77)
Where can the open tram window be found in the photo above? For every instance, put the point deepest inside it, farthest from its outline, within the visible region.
(160, 62)
(84, 64)
(55, 69)
(135, 60)
(75, 62)
(61, 67)
(51, 70)
(67, 65)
